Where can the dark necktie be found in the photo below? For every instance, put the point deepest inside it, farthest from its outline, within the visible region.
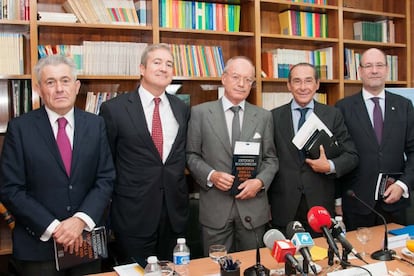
(235, 125)
(63, 143)
(377, 118)
(302, 118)
(157, 127)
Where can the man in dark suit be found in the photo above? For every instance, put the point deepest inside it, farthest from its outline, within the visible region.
(210, 158)
(150, 205)
(389, 151)
(303, 183)
(53, 195)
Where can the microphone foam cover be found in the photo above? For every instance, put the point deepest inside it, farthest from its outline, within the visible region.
(319, 217)
(271, 236)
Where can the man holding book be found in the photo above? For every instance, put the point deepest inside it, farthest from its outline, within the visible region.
(56, 172)
(382, 126)
(302, 182)
(213, 132)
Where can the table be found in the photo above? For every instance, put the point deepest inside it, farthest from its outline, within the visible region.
(205, 266)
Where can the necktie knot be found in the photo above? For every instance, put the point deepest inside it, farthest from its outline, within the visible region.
(157, 101)
(235, 109)
(375, 100)
(302, 118)
(62, 122)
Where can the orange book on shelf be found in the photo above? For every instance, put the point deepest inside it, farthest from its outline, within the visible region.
(267, 63)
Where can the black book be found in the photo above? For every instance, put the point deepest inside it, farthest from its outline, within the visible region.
(384, 181)
(320, 137)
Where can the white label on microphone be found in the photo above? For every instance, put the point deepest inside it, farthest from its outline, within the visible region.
(377, 269)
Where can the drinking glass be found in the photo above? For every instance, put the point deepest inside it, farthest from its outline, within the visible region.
(363, 235)
(167, 268)
(217, 251)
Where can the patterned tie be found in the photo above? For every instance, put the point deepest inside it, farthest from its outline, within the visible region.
(235, 125)
(377, 117)
(157, 127)
(63, 143)
(302, 118)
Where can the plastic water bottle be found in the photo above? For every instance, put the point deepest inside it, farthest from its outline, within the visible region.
(152, 268)
(341, 223)
(181, 256)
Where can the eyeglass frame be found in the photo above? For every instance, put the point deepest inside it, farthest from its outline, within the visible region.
(235, 78)
(370, 66)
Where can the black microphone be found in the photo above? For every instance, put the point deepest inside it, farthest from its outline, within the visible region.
(338, 233)
(257, 269)
(302, 244)
(384, 254)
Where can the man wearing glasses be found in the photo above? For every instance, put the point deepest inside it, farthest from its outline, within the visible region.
(213, 129)
(382, 127)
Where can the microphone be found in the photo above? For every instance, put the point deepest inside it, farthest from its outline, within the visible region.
(338, 233)
(283, 252)
(320, 221)
(282, 249)
(383, 254)
(257, 269)
(303, 242)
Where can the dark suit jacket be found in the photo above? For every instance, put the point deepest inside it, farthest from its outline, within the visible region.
(296, 177)
(209, 148)
(142, 178)
(34, 183)
(397, 140)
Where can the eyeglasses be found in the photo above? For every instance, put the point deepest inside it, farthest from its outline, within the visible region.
(306, 82)
(370, 66)
(235, 78)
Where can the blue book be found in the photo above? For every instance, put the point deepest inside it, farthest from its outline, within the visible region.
(403, 230)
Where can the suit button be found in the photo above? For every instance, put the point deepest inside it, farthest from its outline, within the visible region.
(70, 187)
(68, 208)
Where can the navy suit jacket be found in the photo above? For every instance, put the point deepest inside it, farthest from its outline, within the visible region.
(34, 185)
(296, 177)
(143, 180)
(396, 144)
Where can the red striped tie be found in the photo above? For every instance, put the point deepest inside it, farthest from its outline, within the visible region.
(157, 127)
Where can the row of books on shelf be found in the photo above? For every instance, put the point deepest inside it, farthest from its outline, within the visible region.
(11, 54)
(15, 99)
(319, 2)
(301, 23)
(107, 11)
(100, 57)
(15, 9)
(199, 15)
(352, 61)
(271, 100)
(197, 60)
(276, 63)
(380, 31)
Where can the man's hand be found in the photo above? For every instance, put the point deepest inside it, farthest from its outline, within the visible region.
(69, 233)
(249, 188)
(320, 165)
(393, 194)
(223, 181)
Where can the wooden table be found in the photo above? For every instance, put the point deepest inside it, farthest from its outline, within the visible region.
(205, 266)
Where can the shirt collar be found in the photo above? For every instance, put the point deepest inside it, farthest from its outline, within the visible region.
(367, 96)
(227, 104)
(296, 106)
(147, 98)
(53, 116)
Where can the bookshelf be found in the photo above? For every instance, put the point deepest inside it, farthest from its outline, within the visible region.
(259, 31)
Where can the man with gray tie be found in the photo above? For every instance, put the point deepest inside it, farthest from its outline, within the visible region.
(382, 127)
(303, 182)
(213, 129)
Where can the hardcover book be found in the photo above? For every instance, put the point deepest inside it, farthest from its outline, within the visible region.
(93, 248)
(384, 181)
(320, 137)
(245, 161)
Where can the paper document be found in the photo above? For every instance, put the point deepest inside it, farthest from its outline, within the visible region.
(311, 124)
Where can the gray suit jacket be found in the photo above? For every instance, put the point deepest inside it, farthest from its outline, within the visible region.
(209, 148)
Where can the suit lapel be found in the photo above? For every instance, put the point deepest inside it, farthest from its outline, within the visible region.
(389, 115)
(80, 139)
(217, 122)
(249, 123)
(45, 131)
(181, 120)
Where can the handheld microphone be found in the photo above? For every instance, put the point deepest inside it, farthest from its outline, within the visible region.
(320, 221)
(271, 236)
(257, 269)
(303, 242)
(338, 233)
(383, 254)
(283, 252)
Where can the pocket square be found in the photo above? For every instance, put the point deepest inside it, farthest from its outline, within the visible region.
(257, 136)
